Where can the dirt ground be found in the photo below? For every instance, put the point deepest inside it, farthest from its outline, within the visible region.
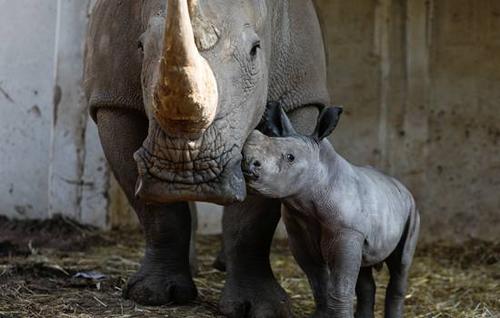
(40, 262)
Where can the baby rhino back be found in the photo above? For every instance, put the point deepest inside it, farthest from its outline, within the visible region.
(383, 213)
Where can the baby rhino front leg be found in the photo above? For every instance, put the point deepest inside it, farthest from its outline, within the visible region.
(343, 251)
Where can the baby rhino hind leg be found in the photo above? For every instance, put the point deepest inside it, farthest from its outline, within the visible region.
(399, 263)
(395, 294)
(365, 293)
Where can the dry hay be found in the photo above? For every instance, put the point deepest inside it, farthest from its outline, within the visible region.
(446, 281)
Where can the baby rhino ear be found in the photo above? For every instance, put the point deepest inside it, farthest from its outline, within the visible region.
(327, 121)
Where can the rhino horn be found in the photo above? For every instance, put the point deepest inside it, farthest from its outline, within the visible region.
(186, 97)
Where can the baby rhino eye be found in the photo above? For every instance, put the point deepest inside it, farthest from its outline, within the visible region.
(290, 157)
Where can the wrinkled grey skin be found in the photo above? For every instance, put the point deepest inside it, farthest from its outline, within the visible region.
(341, 219)
(122, 58)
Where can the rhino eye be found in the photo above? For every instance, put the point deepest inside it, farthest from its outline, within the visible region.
(290, 157)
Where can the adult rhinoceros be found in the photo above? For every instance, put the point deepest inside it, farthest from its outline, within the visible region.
(175, 88)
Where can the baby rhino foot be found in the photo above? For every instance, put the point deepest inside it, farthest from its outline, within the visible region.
(155, 287)
(268, 300)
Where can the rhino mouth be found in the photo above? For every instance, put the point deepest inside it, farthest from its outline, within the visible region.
(176, 169)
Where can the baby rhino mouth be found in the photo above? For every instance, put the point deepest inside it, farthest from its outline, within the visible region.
(251, 169)
(176, 169)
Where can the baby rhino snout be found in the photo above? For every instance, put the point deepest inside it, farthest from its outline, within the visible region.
(251, 168)
(253, 155)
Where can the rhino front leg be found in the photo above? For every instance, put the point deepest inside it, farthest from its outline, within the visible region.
(343, 250)
(251, 289)
(164, 276)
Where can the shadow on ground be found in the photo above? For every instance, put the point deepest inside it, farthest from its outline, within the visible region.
(52, 269)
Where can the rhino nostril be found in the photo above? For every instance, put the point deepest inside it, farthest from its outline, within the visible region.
(256, 163)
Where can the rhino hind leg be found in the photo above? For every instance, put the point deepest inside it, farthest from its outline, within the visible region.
(220, 260)
(164, 276)
(251, 290)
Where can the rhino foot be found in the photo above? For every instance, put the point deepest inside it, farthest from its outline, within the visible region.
(158, 287)
(264, 299)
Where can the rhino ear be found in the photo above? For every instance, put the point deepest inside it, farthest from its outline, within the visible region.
(275, 122)
(327, 121)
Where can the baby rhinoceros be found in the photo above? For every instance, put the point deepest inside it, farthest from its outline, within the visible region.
(342, 220)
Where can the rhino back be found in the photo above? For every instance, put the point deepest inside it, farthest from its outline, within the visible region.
(298, 71)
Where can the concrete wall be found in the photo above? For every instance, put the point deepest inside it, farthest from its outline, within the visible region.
(26, 62)
(420, 82)
(50, 158)
(79, 176)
